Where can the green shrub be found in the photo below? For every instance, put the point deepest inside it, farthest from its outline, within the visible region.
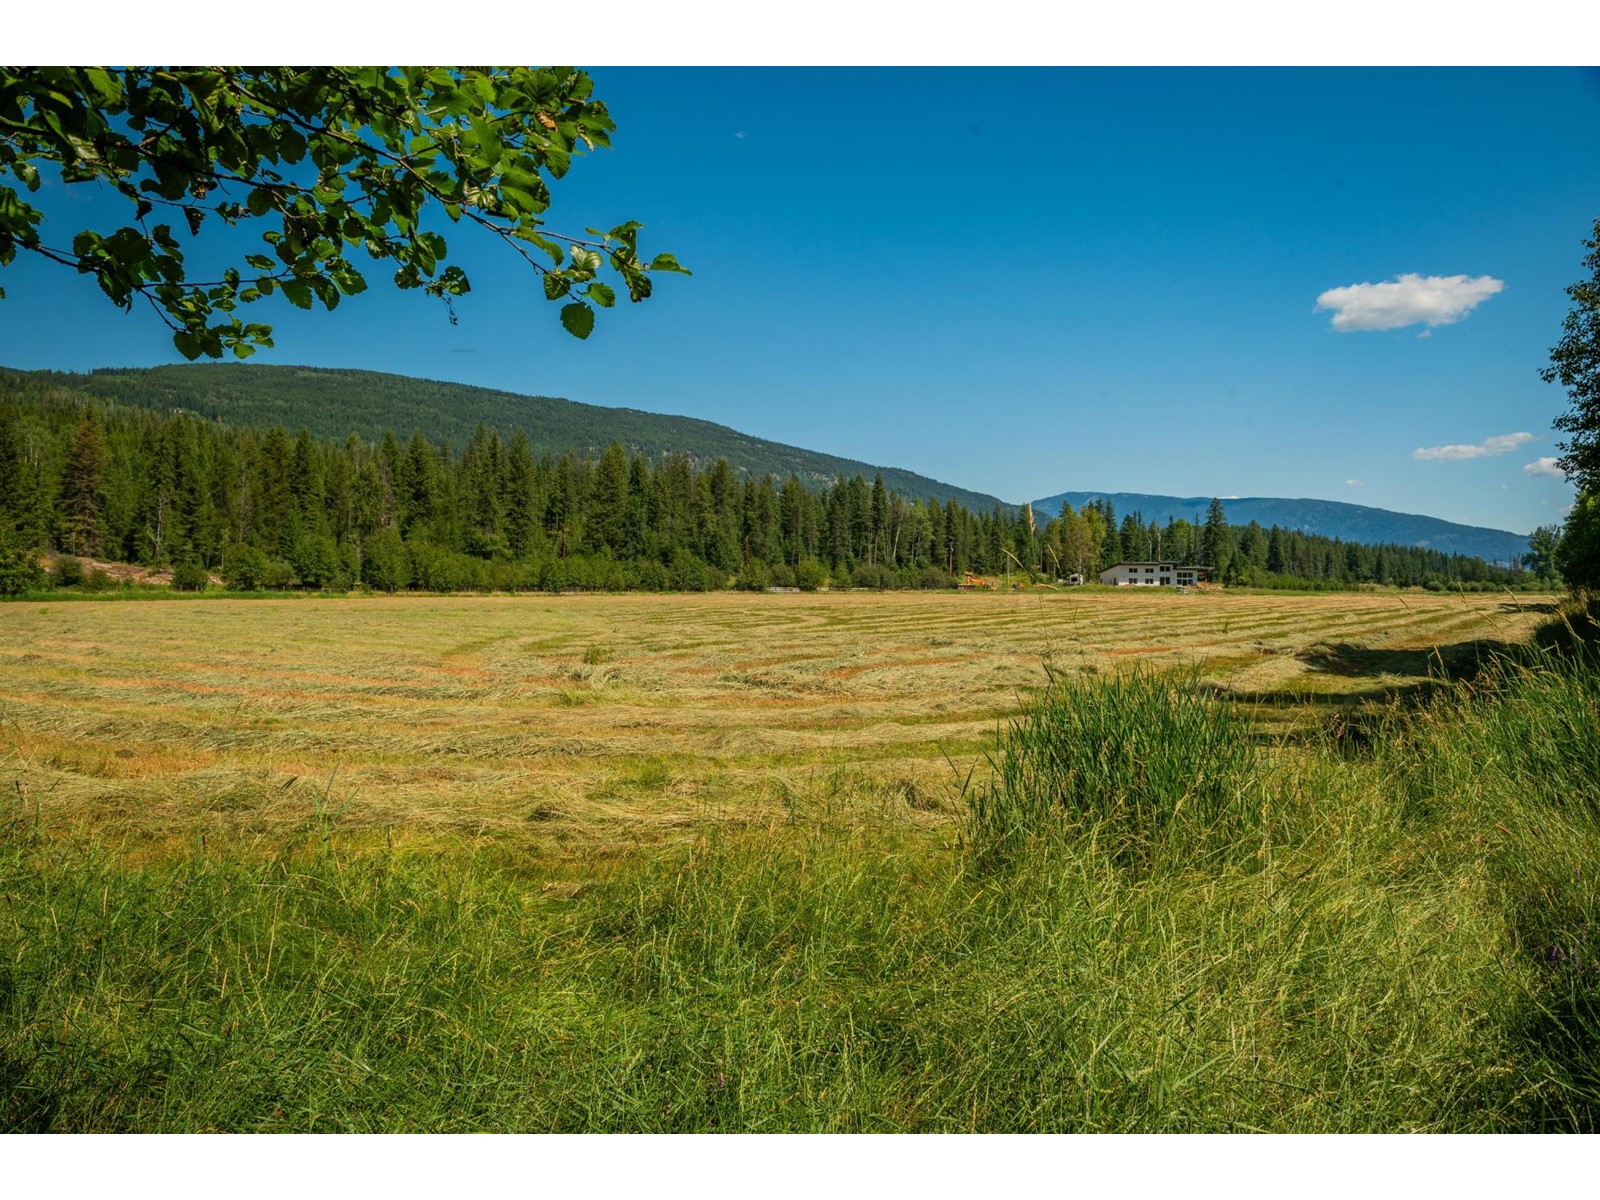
(688, 573)
(190, 577)
(651, 576)
(385, 563)
(810, 575)
(19, 571)
(872, 575)
(98, 580)
(278, 575)
(66, 571)
(757, 577)
(316, 561)
(243, 568)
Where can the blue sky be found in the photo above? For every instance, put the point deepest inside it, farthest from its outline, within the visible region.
(1031, 281)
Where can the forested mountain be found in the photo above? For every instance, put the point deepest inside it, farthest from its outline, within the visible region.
(1329, 518)
(334, 404)
(280, 508)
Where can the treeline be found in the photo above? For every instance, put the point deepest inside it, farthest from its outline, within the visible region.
(1093, 539)
(267, 509)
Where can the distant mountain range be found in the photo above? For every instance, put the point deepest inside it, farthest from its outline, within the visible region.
(1331, 518)
(336, 403)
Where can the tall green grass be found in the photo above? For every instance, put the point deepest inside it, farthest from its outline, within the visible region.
(1156, 933)
(1137, 758)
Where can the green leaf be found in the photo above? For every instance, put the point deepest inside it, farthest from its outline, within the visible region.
(291, 145)
(578, 319)
(486, 132)
(602, 295)
(666, 262)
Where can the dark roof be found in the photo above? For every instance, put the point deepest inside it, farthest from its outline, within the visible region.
(1155, 563)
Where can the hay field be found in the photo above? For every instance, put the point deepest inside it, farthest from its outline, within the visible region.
(583, 724)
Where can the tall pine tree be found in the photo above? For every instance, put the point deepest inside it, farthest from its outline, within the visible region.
(83, 488)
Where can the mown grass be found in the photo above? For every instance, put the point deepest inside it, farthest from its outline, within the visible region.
(450, 716)
(1391, 935)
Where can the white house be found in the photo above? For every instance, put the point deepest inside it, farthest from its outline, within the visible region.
(1153, 574)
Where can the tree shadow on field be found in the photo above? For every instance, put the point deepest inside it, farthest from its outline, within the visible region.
(1376, 682)
(1429, 665)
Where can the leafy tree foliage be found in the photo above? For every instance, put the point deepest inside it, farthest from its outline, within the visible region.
(332, 161)
(19, 566)
(1575, 364)
(1544, 551)
(1578, 554)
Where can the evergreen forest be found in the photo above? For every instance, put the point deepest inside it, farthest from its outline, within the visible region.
(264, 508)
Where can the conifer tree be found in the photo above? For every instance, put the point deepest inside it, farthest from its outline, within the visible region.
(607, 526)
(307, 496)
(1215, 547)
(83, 488)
(273, 528)
(521, 514)
(10, 468)
(1111, 548)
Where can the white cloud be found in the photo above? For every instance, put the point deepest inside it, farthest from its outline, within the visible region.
(1544, 466)
(1355, 483)
(1500, 443)
(1407, 300)
(741, 135)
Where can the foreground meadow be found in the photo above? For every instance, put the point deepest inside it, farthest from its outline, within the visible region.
(839, 862)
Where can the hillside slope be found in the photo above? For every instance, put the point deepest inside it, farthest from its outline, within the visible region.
(1331, 518)
(336, 403)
